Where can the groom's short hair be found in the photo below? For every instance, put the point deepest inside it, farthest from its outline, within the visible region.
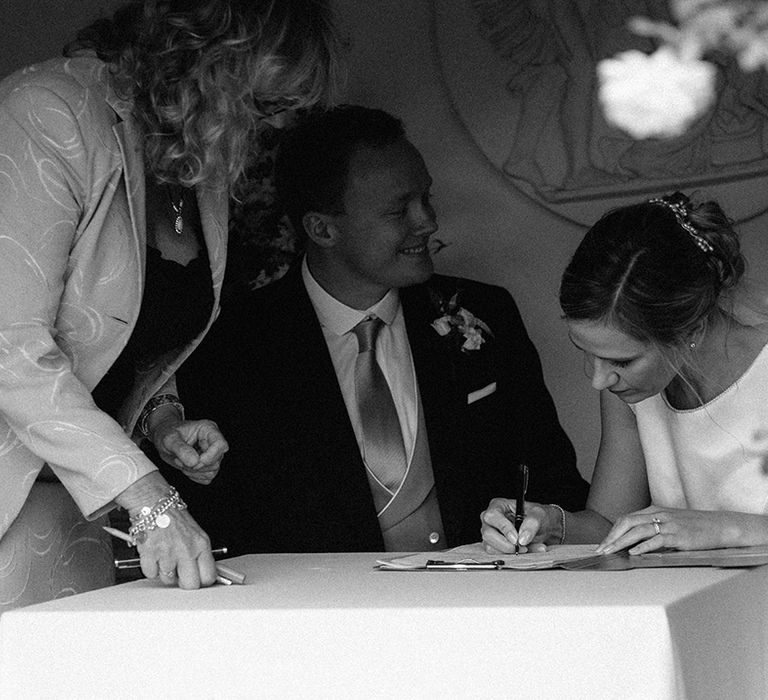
(313, 158)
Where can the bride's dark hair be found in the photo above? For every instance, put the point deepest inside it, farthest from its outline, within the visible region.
(655, 270)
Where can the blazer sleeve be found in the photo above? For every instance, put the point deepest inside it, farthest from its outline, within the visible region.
(44, 181)
(554, 477)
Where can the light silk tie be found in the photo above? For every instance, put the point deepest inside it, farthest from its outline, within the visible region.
(382, 437)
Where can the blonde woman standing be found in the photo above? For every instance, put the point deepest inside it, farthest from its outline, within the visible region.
(116, 164)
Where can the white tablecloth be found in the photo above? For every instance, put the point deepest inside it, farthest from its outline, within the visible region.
(330, 626)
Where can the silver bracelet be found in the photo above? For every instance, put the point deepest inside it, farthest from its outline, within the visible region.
(562, 521)
(152, 405)
(150, 518)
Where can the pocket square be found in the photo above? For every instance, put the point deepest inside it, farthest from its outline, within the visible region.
(481, 393)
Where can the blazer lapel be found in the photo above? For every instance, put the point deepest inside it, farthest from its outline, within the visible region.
(214, 213)
(213, 204)
(129, 139)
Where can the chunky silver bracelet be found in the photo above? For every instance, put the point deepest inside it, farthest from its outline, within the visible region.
(152, 405)
(562, 521)
(150, 518)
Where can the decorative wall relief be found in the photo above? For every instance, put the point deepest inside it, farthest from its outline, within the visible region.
(521, 78)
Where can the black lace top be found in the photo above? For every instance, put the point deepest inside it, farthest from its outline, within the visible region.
(177, 304)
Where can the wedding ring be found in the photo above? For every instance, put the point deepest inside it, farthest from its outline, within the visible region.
(657, 524)
(170, 574)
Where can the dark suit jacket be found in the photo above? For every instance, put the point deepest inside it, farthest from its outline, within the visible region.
(294, 481)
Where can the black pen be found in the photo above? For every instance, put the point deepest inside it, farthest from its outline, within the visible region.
(522, 488)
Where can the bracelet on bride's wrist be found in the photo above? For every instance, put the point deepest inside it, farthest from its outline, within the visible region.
(153, 404)
(562, 521)
(147, 519)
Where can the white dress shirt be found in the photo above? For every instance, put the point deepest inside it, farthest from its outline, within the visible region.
(393, 353)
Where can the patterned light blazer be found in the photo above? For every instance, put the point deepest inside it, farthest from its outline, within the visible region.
(72, 259)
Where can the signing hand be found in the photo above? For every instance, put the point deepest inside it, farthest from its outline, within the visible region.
(653, 528)
(196, 447)
(498, 529)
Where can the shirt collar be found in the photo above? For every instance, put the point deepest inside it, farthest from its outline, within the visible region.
(340, 318)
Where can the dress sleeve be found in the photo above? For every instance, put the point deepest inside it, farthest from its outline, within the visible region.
(44, 178)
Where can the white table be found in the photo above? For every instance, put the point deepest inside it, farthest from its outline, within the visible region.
(330, 626)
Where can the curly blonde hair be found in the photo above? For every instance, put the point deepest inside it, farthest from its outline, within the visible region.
(202, 75)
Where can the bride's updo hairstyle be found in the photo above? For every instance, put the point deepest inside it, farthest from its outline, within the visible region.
(655, 271)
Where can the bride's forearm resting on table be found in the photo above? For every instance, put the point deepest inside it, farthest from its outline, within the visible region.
(745, 529)
(654, 528)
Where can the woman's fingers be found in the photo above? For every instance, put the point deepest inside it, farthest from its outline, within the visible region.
(206, 566)
(179, 554)
(531, 525)
(189, 573)
(166, 572)
(186, 573)
(498, 528)
(193, 445)
(630, 529)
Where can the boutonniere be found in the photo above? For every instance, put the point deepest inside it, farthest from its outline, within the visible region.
(456, 322)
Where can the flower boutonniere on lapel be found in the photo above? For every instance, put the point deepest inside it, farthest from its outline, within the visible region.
(458, 324)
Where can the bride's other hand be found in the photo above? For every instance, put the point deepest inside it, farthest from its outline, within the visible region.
(655, 528)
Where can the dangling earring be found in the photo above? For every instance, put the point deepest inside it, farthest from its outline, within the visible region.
(692, 345)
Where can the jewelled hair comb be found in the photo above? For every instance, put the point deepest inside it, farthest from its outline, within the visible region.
(682, 218)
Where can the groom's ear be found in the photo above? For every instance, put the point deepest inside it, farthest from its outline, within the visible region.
(320, 228)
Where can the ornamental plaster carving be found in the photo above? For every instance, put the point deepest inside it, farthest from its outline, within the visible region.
(521, 78)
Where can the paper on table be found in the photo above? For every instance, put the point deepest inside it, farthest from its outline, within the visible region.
(554, 556)
(756, 555)
(581, 557)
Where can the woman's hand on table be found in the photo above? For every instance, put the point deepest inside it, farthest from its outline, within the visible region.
(196, 447)
(179, 554)
(655, 528)
(498, 527)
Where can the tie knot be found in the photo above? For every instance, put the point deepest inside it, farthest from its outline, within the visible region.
(366, 332)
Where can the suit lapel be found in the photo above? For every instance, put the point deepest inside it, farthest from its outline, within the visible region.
(438, 386)
(306, 359)
(444, 376)
(300, 336)
(434, 371)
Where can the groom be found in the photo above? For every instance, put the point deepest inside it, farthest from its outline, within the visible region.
(370, 404)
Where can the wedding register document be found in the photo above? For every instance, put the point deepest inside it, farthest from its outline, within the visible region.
(472, 556)
(573, 556)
